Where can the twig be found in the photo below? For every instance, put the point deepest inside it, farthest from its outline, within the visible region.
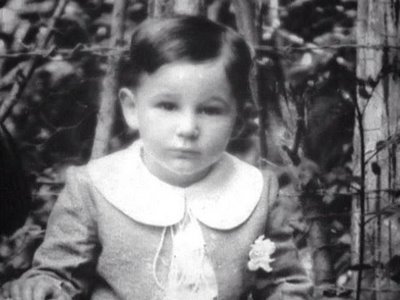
(312, 47)
(9, 78)
(300, 126)
(359, 118)
(68, 53)
(20, 85)
(384, 290)
(390, 141)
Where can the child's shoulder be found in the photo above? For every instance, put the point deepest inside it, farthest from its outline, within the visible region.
(254, 176)
(271, 184)
(268, 172)
(250, 173)
(100, 171)
(110, 162)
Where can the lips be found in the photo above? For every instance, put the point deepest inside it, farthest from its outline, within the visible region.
(185, 152)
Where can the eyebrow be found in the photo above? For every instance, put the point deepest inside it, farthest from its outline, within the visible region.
(160, 95)
(166, 94)
(218, 99)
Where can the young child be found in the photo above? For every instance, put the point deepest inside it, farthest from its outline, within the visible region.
(173, 216)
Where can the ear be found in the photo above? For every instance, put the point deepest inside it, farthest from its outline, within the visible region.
(129, 108)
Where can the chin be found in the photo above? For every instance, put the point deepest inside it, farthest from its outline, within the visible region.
(185, 172)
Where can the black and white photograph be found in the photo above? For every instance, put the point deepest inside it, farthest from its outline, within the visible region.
(199, 149)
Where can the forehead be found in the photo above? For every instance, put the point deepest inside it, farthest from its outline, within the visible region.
(206, 79)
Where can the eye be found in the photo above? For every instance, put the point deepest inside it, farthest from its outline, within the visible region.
(169, 106)
(211, 110)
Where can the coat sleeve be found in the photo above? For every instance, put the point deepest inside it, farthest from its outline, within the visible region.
(68, 253)
(288, 279)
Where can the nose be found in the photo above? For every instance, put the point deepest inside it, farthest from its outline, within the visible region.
(188, 126)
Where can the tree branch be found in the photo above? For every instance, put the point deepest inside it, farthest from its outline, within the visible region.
(27, 73)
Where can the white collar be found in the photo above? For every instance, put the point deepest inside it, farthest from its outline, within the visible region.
(224, 199)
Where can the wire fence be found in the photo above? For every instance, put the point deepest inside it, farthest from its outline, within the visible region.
(58, 53)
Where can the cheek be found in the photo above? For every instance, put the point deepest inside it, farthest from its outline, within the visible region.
(150, 123)
(219, 133)
(223, 127)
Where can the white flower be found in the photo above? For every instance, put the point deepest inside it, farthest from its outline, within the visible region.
(260, 254)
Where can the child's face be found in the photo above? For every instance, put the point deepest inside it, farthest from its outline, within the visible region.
(185, 114)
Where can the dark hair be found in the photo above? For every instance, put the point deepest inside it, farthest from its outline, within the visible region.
(157, 42)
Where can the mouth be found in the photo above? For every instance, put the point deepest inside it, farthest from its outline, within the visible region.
(185, 152)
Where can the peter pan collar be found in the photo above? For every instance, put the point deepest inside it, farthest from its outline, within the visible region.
(223, 200)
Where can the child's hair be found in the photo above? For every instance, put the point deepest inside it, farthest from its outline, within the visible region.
(157, 42)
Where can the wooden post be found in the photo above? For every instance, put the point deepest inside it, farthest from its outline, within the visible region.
(376, 155)
(189, 7)
(108, 98)
(245, 18)
(168, 8)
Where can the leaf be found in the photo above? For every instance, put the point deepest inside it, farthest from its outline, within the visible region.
(376, 169)
(391, 211)
(362, 91)
(393, 268)
(329, 292)
(344, 293)
(356, 179)
(359, 267)
(330, 194)
(371, 82)
(5, 249)
(395, 193)
(380, 145)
